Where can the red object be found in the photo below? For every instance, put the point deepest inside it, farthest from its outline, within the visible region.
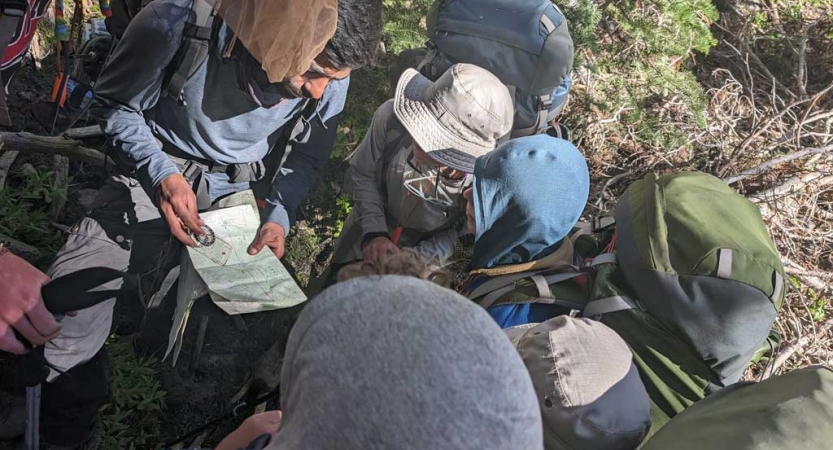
(56, 87)
(394, 237)
(19, 44)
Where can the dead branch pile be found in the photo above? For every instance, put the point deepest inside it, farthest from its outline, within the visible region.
(769, 134)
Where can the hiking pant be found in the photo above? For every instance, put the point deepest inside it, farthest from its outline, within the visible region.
(123, 231)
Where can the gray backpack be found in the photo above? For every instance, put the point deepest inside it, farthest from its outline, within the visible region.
(196, 39)
(525, 43)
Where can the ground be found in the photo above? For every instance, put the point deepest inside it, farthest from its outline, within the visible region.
(660, 85)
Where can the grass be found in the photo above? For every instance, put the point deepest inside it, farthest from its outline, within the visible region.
(24, 212)
(132, 418)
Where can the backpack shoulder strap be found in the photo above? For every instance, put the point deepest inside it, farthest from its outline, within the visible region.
(497, 287)
(196, 39)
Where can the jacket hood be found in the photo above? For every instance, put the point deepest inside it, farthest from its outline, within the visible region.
(528, 194)
(392, 362)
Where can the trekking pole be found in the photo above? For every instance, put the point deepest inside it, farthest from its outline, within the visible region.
(32, 437)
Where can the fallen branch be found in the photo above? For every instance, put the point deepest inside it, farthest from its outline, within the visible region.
(820, 274)
(809, 279)
(761, 168)
(32, 143)
(788, 349)
(84, 132)
(792, 185)
(6, 162)
(21, 249)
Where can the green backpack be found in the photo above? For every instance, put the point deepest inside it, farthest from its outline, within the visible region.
(691, 281)
(793, 411)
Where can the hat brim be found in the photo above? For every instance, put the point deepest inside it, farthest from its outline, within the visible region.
(448, 149)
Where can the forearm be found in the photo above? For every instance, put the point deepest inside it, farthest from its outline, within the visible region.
(440, 247)
(131, 84)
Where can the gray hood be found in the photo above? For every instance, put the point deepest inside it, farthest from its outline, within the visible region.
(394, 362)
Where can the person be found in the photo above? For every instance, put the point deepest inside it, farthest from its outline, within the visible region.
(526, 198)
(588, 386)
(179, 154)
(427, 369)
(408, 173)
(21, 305)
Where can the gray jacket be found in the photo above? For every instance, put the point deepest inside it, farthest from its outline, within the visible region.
(381, 203)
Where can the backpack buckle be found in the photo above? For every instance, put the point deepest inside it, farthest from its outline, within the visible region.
(544, 102)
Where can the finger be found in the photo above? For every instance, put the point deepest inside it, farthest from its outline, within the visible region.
(277, 248)
(8, 341)
(175, 225)
(257, 245)
(24, 327)
(42, 320)
(190, 218)
(71, 313)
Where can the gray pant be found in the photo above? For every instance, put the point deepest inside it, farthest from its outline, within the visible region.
(123, 231)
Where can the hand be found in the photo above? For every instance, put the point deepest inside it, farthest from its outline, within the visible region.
(378, 248)
(21, 305)
(270, 235)
(251, 428)
(179, 207)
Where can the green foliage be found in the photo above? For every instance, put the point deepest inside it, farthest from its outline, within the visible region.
(665, 27)
(638, 57)
(817, 309)
(404, 24)
(343, 207)
(24, 211)
(132, 418)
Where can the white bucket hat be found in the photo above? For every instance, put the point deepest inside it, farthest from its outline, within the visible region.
(458, 118)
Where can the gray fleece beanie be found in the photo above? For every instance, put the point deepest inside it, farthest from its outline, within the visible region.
(392, 362)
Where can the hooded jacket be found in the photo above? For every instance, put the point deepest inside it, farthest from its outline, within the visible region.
(427, 369)
(527, 194)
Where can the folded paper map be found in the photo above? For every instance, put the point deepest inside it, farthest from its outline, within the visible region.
(237, 282)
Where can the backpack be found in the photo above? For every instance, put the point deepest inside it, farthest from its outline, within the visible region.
(788, 412)
(525, 43)
(196, 39)
(689, 278)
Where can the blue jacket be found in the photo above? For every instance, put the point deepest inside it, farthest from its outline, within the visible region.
(217, 121)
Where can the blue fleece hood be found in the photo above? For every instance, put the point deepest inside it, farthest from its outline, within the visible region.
(528, 194)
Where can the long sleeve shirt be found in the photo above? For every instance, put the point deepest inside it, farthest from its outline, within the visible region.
(214, 121)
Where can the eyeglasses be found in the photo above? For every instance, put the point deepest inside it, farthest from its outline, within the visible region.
(428, 186)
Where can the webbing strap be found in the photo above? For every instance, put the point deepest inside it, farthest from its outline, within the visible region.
(541, 282)
(608, 305)
(490, 299)
(559, 277)
(779, 284)
(195, 43)
(604, 258)
(547, 23)
(496, 283)
(724, 263)
(543, 287)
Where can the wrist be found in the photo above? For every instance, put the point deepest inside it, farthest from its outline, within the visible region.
(373, 235)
